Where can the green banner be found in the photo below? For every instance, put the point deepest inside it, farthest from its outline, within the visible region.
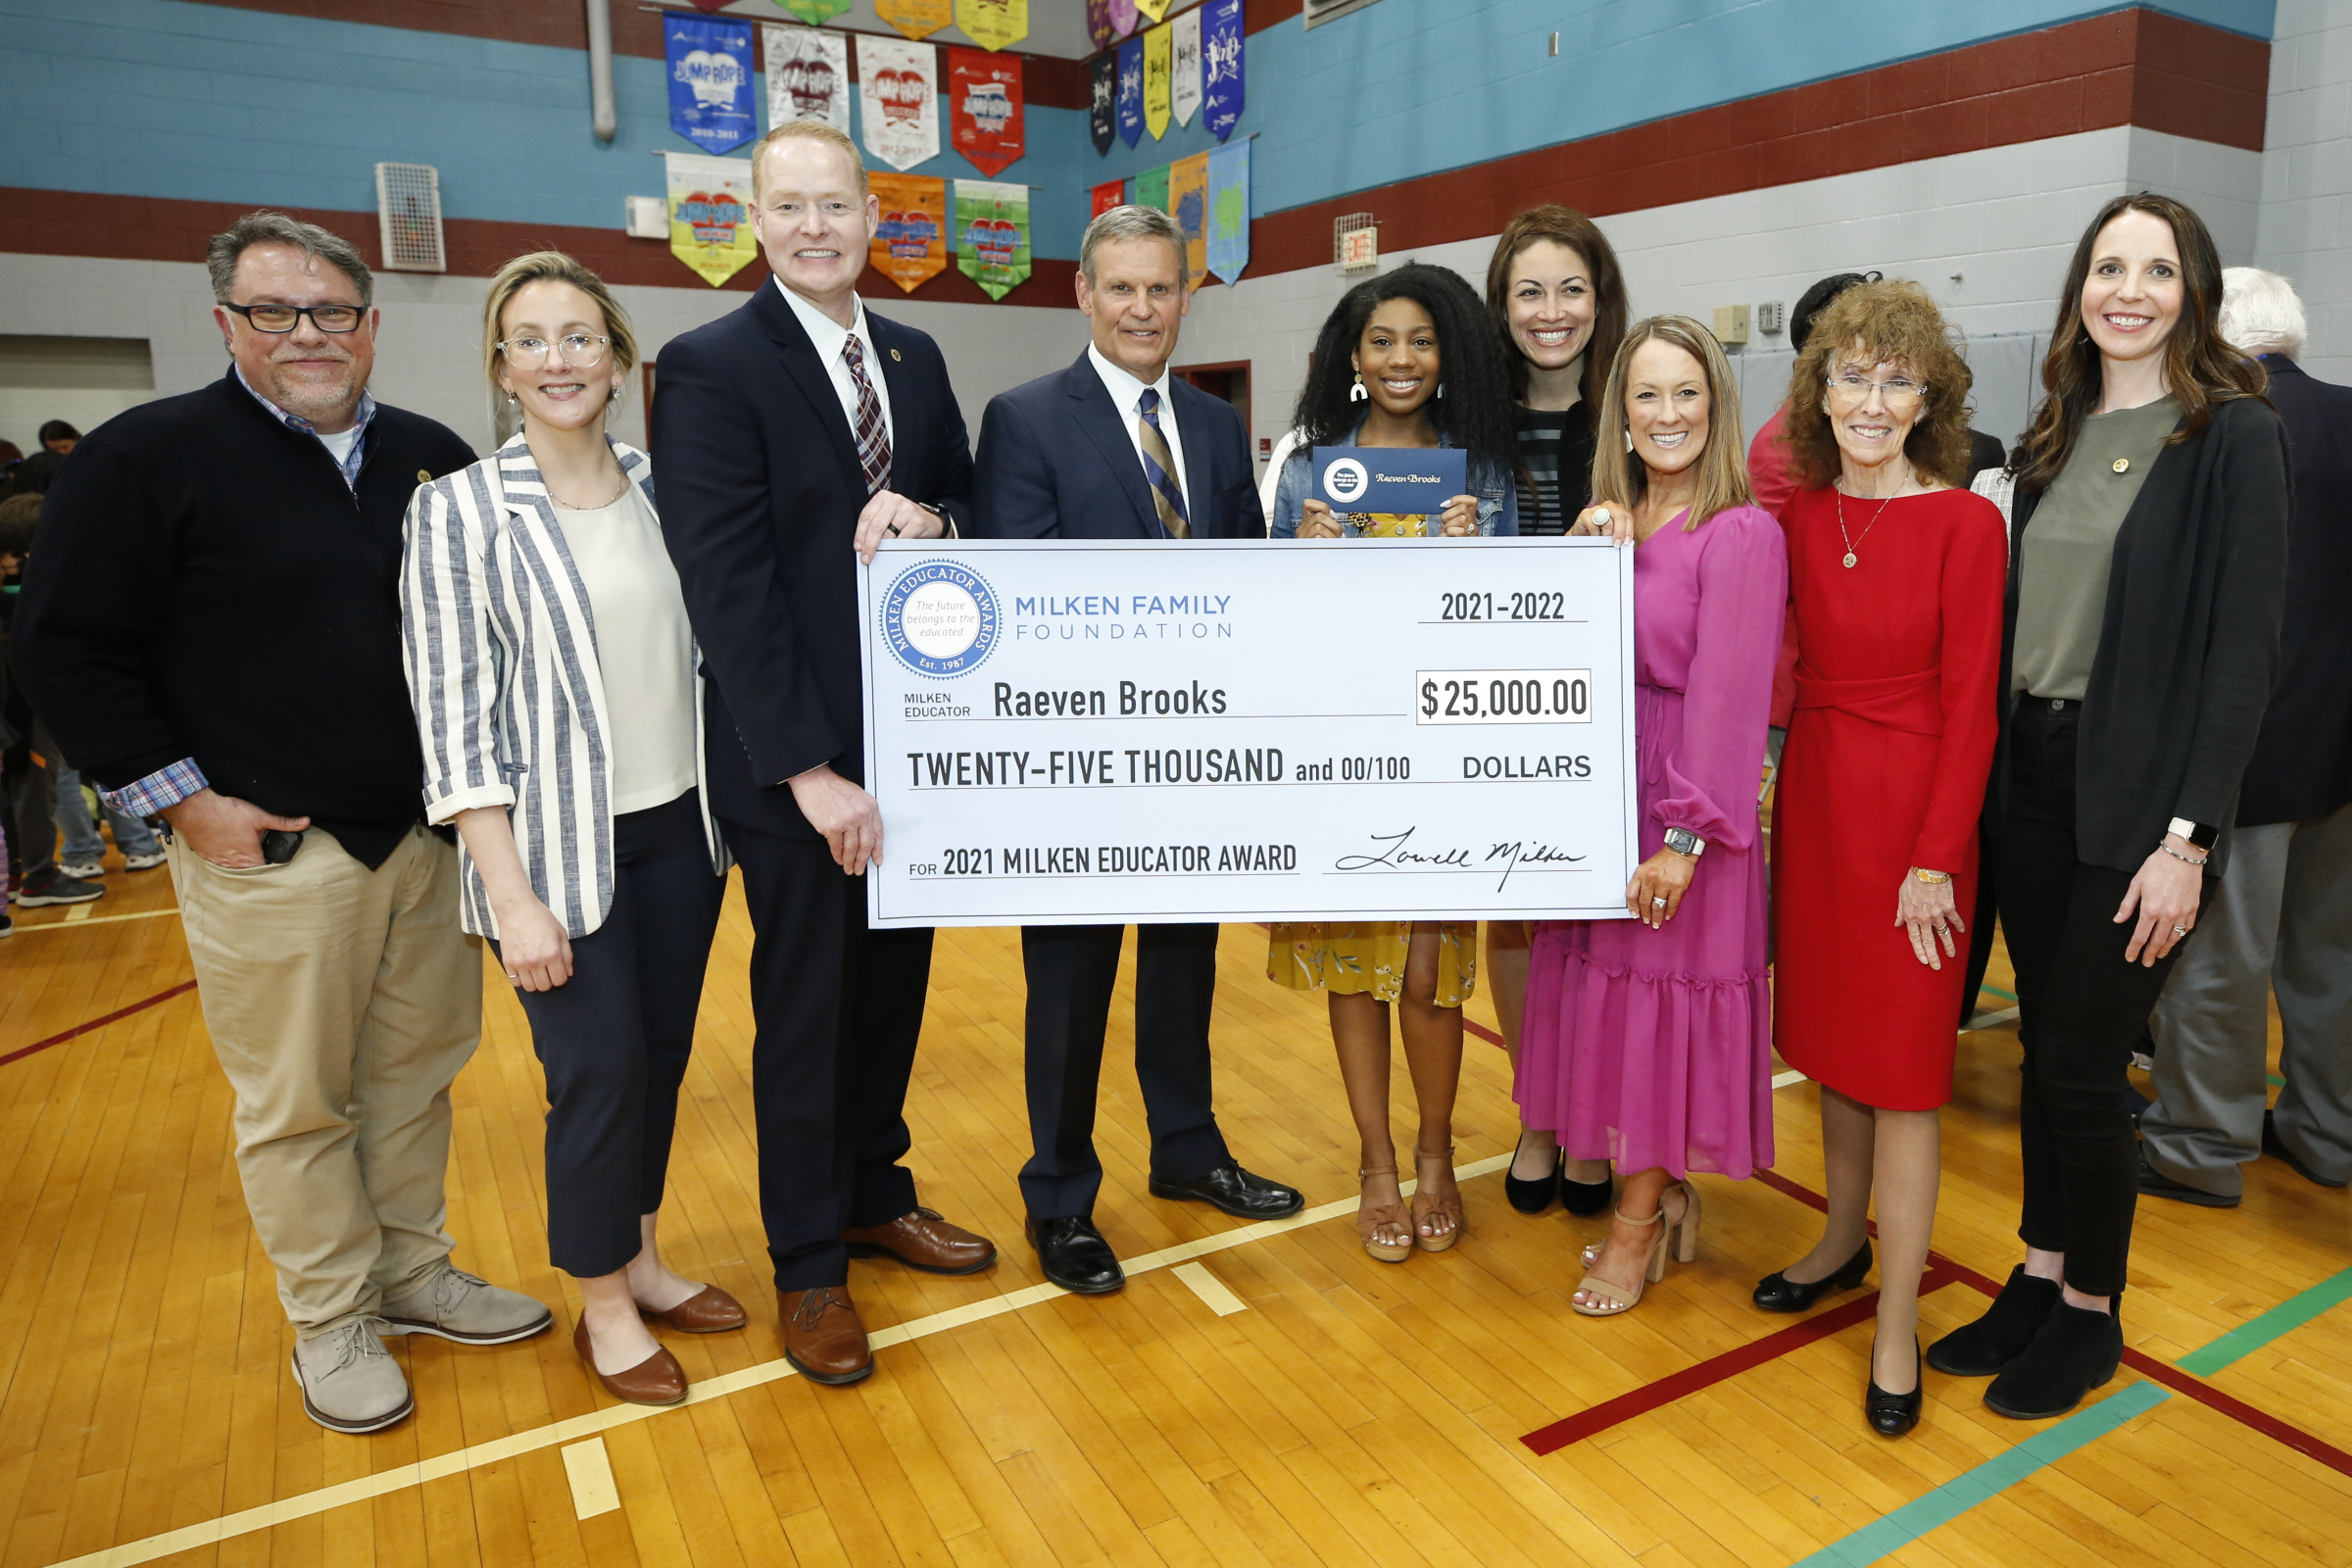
(814, 11)
(992, 234)
(1152, 187)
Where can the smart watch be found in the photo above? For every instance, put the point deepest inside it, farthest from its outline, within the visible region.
(1681, 841)
(2198, 834)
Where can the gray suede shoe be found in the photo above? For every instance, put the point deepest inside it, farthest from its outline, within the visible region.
(456, 1305)
(349, 1381)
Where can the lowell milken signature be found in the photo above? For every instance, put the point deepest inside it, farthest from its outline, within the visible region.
(1398, 855)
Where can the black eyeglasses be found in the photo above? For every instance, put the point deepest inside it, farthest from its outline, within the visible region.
(337, 318)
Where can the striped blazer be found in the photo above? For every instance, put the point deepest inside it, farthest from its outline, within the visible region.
(499, 646)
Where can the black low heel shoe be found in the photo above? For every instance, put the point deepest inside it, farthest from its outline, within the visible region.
(1988, 1345)
(1777, 1292)
(1536, 1195)
(1891, 1415)
(1584, 1199)
(2076, 1351)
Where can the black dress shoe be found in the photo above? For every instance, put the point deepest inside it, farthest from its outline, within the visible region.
(2276, 1146)
(1236, 1192)
(1584, 1199)
(1535, 1196)
(2154, 1182)
(1985, 1347)
(1777, 1292)
(2076, 1351)
(1891, 1415)
(1075, 1256)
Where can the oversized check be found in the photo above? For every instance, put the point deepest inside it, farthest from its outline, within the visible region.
(1078, 731)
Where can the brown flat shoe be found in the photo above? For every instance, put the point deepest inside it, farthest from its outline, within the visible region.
(920, 1239)
(822, 1337)
(656, 1380)
(710, 1310)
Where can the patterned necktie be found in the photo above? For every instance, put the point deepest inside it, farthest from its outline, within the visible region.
(873, 436)
(1159, 465)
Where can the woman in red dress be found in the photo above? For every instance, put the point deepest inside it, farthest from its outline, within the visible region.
(1896, 583)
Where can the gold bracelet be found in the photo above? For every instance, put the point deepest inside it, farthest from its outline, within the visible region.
(1930, 877)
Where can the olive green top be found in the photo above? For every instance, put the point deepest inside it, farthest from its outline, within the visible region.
(2062, 581)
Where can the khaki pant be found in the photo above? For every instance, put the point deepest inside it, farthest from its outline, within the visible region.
(341, 1003)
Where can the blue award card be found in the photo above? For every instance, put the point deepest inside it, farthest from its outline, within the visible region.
(1409, 481)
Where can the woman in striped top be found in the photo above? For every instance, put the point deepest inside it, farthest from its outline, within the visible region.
(553, 675)
(1556, 293)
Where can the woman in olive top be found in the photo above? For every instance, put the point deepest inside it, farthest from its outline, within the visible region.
(1557, 296)
(2146, 582)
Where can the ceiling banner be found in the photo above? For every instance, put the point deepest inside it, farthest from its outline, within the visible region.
(1183, 68)
(808, 75)
(1102, 117)
(1221, 82)
(815, 10)
(1098, 23)
(992, 234)
(709, 70)
(1122, 17)
(1229, 209)
(993, 23)
(916, 18)
(897, 98)
(1156, 82)
(1188, 204)
(910, 247)
(984, 108)
(1152, 10)
(1131, 91)
(711, 213)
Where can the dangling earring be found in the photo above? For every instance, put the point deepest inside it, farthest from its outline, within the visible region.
(1440, 392)
(1629, 440)
(1356, 393)
(620, 390)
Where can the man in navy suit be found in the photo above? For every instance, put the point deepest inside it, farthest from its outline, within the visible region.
(1112, 447)
(793, 436)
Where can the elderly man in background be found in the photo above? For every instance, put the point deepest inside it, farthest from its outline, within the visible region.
(213, 619)
(2283, 917)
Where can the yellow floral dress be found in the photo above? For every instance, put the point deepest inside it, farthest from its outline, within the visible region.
(1367, 956)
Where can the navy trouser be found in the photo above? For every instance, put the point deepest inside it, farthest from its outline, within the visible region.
(614, 1038)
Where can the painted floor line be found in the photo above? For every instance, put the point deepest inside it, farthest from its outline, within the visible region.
(2252, 1335)
(580, 1428)
(589, 1469)
(1782, 1080)
(1214, 1292)
(1990, 1020)
(115, 1016)
(1882, 1538)
(79, 916)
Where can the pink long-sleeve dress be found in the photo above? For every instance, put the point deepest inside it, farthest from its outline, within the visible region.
(1654, 1046)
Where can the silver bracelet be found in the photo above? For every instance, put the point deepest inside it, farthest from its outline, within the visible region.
(2182, 859)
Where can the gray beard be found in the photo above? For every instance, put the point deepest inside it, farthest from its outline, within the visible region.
(314, 403)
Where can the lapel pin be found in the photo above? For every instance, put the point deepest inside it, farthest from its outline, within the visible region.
(2123, 465)
(894, 354)
(424, 477)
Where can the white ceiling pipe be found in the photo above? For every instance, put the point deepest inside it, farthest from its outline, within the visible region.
(604, 117)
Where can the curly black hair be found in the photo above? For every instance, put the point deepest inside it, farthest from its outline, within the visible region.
(1476, 412)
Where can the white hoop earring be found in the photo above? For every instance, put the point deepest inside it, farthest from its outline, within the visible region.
(1440, 392)
(1356, 393)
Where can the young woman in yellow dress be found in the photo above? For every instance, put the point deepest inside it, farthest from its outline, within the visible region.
(1406, 359)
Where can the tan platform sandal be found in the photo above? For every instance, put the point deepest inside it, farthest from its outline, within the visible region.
(1369, 1220)
(1683, 1233)
(1427, 1206)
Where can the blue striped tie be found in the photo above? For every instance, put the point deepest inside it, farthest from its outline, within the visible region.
(1167, 496)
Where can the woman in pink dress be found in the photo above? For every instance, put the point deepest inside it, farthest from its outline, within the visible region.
(1649, 1041)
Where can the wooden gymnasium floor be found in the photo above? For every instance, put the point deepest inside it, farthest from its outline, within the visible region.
(1262, 1396)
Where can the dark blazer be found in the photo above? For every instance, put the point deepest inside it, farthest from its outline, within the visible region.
(2189, 645)
(2302, 766)
(760, 493)
(1056, 463)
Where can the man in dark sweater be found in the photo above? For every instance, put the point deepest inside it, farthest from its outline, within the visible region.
(2282, 914)
(213, 616)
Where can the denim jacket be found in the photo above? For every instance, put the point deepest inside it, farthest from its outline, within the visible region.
(1497, 496)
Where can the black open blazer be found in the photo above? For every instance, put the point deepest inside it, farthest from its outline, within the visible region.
(2189, 646)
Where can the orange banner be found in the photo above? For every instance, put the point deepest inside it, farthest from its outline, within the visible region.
(910, 248)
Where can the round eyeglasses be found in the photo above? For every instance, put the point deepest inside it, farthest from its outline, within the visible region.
(577, 349)
(1900, 391)
(335, 318)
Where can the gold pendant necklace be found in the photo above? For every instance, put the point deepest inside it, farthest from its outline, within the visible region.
(1851, 541)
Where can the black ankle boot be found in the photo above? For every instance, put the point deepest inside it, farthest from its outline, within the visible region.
(1534, 1197)
(1990, 1343)
(1891, 1415)
(2076, 1351)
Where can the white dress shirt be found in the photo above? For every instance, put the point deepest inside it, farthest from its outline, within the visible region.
(1127, 396)
(829, 336)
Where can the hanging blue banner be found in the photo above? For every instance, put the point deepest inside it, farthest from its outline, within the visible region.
(1222, 91)
(1229, 209)
(711, 79)
(1131, 90)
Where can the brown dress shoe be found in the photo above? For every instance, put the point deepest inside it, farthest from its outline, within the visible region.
(920, 1239)
(656, 1380)
(822, 1337)
(710, 1310)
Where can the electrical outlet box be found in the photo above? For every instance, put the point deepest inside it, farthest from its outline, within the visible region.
(1772, 317)
(1730, 325)
(649, 218)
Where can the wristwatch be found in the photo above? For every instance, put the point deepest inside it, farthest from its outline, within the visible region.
(1681, 841)
(2197, 833)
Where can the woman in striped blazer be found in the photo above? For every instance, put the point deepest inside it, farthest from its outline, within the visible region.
(553, 676)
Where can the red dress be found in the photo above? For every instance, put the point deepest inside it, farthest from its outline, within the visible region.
(1888, 749)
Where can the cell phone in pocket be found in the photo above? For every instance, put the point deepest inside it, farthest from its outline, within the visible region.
(280, 846)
